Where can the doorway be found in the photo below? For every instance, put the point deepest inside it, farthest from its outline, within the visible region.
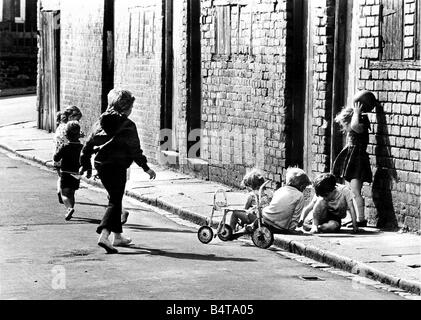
(194, 108)
(167, 121)
(107, 53)
(296, 80)
(346, 64)
(49, 88)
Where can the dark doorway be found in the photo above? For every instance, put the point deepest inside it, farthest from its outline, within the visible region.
(107, 53)
(167, 73)
(296, 79)
(194, 110)
(339, 87)
(49, 88)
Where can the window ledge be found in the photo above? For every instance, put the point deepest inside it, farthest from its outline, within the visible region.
(413, 64)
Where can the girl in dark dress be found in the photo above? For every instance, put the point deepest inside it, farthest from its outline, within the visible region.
(352, 163)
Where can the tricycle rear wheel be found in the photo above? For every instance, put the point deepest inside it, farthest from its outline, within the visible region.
(262, 237)
(225, 234)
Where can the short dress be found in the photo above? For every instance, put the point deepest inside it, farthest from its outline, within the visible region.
(69, 154)
(353, 161)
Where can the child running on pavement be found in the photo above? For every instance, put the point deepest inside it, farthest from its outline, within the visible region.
(69, 114)
(114, 139)
(69, 153)
(329, 205)
(283, 212)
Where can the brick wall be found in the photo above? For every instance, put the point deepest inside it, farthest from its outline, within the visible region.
(245, 102)
(323, 38)
(243, 91)
(180, 77)
(81, 24)
(140, 69)
(394, 196)
(81, 57)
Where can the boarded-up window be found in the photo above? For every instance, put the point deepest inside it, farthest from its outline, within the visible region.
(223, 30)
(392, 29)
(141, 39)
(20, 6)
(241, 22)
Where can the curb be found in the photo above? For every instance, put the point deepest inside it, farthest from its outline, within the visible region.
(347, 264)
(309, 251)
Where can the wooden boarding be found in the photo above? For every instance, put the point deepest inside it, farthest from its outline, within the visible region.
(49, 64)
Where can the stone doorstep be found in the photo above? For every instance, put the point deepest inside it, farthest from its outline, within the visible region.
(196, 167)
(169, 158)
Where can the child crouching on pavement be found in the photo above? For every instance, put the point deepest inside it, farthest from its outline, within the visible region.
(283, 212)
(329, 205)
(69, 154)
(252, 181)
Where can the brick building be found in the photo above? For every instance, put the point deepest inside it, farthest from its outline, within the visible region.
(226, 85)
(18, 46)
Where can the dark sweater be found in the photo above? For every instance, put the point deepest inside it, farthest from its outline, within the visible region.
(69, 154)
(115, 141)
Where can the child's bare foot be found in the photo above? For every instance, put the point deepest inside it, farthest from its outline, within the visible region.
(69, 214)
(106, 244)
(124, 216)
(121, 241)
(314, 229)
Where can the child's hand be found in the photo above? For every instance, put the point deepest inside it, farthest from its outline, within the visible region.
(357, 107)
(151, 173)
(88, 172)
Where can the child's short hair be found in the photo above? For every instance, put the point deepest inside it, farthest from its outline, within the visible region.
(72, 130)
(324, 184)
(63, 116)
(254, 179)
(297, 178)
(345, 116)
(120, 100)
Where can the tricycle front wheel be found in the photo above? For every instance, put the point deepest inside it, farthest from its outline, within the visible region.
(205, 234)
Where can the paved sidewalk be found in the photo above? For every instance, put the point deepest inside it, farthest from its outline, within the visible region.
(389, 257)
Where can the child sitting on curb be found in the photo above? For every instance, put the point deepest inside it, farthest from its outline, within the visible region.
(283, 212)
(329, 205)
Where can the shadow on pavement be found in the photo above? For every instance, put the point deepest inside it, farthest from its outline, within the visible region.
(182, 255)
(145, 228)
(131, 226)
(88, 220)
(104, 206)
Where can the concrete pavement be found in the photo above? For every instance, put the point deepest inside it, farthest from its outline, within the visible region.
(389, 257)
